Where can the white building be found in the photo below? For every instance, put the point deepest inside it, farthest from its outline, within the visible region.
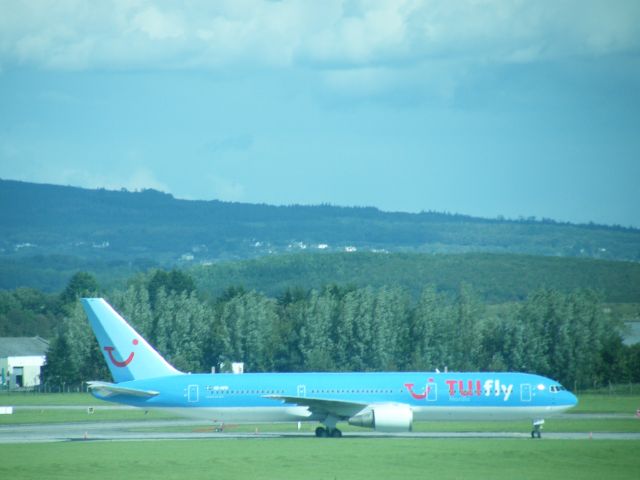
(21, 359)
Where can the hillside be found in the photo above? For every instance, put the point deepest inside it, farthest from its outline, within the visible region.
(495, 278)
(153, 228)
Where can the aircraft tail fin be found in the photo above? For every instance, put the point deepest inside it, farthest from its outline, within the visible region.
(127, 353)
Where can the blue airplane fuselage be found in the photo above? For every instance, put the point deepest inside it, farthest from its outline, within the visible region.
(431, 395)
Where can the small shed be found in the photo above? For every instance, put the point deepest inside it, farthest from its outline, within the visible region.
(21, 359)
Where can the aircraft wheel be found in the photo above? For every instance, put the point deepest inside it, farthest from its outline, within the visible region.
(321, 432)
(336, 433)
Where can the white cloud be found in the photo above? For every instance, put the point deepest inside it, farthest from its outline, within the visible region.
(158, 25)
(358, 48)
(75, 34)
(379, 33)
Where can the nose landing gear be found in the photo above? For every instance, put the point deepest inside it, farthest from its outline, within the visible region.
(537, 428)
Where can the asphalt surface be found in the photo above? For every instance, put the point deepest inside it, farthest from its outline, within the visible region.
(153, 430)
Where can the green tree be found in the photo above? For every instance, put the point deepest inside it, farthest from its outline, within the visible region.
(81, 284)
(466, 334)
(217, 350)
(135, 306)
(74, 355)
(354, 331)
(284, 341)
(175, 281)
(182, 323)
(533, 314)
(390, 330)
(316, 342)
(250, 318)
(59, 368)
(426, 332)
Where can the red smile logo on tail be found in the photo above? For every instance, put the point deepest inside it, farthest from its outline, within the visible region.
(119, 363)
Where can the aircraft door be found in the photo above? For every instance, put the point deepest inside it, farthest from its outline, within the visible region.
(301, 391)
(432, 392)
(192, 393)
(525, 392)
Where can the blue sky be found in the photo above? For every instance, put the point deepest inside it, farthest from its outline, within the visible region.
(482, 107)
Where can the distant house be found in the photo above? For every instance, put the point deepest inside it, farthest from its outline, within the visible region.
(21, 359)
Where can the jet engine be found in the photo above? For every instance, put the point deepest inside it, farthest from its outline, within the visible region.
(385, 418)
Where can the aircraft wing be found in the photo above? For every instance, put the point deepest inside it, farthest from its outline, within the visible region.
(106, 389)
(322, 406)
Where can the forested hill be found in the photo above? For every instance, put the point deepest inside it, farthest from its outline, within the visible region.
(105, 225)
(495, 278)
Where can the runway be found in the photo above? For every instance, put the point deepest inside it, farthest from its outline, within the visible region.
(139, 431)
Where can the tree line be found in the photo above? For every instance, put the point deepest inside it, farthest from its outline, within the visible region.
(566, 336)
(496, 278)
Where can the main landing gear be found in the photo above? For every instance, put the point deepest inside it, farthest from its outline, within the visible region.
(329, 429)
(328, 432)
(537, 429)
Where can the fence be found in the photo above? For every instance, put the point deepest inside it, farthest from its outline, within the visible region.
(613, 389)
(45, 388)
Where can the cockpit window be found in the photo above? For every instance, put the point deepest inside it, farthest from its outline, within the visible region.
(556, 388)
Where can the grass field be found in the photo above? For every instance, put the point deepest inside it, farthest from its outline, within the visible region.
(312, 458)
(593, 404)
(588, 403)
(604, 425)
(49, 415)
(29, 398)
(598, 403)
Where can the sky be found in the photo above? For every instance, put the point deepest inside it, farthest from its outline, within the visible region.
(481, 107)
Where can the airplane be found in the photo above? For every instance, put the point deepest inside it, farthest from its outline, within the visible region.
(384, 401)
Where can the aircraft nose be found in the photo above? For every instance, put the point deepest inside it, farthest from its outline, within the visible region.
(573, 400)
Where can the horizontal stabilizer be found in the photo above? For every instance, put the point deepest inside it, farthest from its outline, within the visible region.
(105, 389)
